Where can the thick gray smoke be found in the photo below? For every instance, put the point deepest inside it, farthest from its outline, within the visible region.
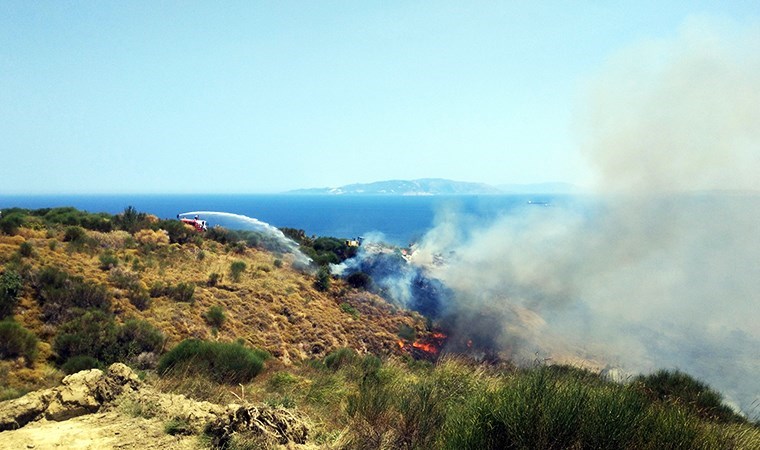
(661, 267)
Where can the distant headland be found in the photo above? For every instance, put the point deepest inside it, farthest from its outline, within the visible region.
(437, 186)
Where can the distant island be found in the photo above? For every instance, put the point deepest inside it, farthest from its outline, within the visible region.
(437, 186)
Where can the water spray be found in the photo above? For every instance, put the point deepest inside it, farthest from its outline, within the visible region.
(240, 222)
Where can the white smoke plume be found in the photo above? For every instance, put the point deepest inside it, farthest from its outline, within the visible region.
(660, 269)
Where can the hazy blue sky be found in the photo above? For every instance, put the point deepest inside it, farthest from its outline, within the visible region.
(102, 97)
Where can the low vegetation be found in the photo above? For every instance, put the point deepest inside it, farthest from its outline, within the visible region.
(244, 326)
(230, 363)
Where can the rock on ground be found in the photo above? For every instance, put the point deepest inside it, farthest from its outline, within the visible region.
(93, 409)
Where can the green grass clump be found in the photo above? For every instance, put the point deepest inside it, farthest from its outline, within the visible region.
(682, 389)
(341, 357)
(178, 426)
(215, 316)
(222, 362)
(236, 269)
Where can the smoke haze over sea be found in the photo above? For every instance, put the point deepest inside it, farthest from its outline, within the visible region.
(662, 272)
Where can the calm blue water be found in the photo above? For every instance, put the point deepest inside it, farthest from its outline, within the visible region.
(400, 219)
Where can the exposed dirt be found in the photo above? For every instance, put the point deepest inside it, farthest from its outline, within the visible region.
(114, 410)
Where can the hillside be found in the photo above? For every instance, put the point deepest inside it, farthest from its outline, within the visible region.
(223, 334)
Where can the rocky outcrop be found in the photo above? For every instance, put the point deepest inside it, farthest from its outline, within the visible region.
(109, 394)
(80, 393)
(277, 425)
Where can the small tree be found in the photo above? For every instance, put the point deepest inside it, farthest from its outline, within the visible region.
(237, 268)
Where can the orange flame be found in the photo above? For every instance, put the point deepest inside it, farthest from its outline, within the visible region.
(400, 344)
(430, 348)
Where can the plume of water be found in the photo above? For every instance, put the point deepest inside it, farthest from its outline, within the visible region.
(240, 222)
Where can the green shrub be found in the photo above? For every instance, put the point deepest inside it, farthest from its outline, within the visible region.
(25, 249)
(10, 290)
(90, 334)
(97, 335)
(236, 269)
(108, 260)
(183, 292)
(11, 221)
(214, 279)
(131, 220)
(278, 263)
(215, 316)
(74, 234)
(15, 340)
(341, 357)
(348, 309)
(62, 295)
(79, 363)
(222, 362)
(139, 299)
(359, 280)
(136, 337)
(322, 283)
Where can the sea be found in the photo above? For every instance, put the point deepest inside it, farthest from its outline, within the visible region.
(398, 220)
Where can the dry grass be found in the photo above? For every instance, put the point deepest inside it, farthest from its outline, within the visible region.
(273, 308)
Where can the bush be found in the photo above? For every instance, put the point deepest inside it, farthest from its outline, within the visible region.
(236, 269)
(74, 234)
(214, 279)
(25, 249)
(97, 335)
(215, 316)
(15, 340)
(90, 334)
(10, 222)
(152, 239)
(61, 295)
(323, 280)
(136, 337)
(348, 309)
(223, 362)
(341, 357)
(10, 290)
(79, 363)
(108, 260)
(139, 299)
(359, 280)
(183, 292)
(131, 220)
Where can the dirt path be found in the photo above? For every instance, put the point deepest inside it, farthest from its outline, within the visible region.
(110, 430)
